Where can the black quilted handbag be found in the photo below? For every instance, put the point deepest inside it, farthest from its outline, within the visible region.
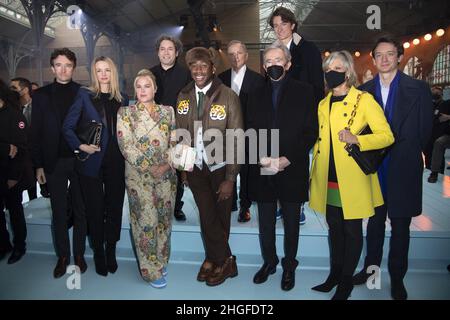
(89, 133)
(368, 161)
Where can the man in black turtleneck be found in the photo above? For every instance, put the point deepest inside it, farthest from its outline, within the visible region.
(55, 162)
(171, 77)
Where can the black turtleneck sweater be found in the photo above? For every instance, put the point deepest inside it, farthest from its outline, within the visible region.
(63, 98)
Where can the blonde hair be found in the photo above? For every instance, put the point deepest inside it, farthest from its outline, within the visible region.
(347, 61)
(145, 73)
(114, 88)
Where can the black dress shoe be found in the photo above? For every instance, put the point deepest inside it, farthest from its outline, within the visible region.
(16, 256)
(100, 263)
(4, 252)
(61, 267)
(179, 215)
(398, 290)
(263, 273)
(244, 215)
(81, 263)
(111, 262)
(433, 177)
(361, 277)
(288, 280)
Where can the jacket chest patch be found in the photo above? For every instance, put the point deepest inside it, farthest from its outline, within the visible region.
(183, 107)
(217, 112)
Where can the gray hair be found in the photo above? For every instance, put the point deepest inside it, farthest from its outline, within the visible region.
(233, 42)
(177, 43)
(278, 45)
(347, 62)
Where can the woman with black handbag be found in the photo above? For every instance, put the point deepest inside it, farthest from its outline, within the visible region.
(90, 130)
(339, 187)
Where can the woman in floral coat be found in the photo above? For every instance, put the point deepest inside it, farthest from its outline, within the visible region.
(146, 132)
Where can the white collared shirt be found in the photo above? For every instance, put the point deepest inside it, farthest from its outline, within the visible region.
(237, 78)
(384, 93)
(289, 44)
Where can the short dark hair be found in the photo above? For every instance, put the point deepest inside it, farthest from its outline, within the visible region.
(36, 84)
(9, 97)
(388, 39)
(177, 43)
(286, 16)
(64, 52)
(23, 83)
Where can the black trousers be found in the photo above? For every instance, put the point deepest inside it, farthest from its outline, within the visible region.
(180, 192)
(346, 240)
(244, 202)
(267, 220)
(398, 244)
(103, 197)
(57, 183)
(11, 200)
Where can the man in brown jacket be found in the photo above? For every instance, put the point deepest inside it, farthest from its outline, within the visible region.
(206, 108)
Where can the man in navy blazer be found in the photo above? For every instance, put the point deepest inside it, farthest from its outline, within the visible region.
(243, 81)
(54, 160)
(408, 108)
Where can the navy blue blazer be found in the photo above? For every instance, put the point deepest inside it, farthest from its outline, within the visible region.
(81, 112)
(412, 122)
(46, 127)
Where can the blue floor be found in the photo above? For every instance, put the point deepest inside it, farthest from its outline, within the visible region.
(31, 278)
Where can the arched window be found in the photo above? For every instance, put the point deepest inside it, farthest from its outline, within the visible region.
(440, 73)
(413, 68)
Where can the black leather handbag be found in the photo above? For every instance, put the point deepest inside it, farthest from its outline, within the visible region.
(368, 161)
(89, 133)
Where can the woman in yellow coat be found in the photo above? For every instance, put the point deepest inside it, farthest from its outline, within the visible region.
(339, 188)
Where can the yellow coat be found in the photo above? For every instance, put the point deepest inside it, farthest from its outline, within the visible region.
(359, 193)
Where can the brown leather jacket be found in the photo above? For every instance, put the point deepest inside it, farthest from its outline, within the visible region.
(221, 110)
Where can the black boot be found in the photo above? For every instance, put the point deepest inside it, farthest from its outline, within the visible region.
(100, 262)
(332, 280)
(344, 288)
(111, 261)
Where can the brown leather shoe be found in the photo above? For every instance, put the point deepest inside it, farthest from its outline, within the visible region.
(61, 267)
(206, 268)
(81, 263)
(220, 274)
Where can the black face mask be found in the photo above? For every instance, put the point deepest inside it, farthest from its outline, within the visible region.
(275, 72)
(334, 78)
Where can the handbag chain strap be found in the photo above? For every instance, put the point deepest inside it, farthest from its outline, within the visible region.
(353, 114)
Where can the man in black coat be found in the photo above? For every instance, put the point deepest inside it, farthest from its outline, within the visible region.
(55, 162)
(13, 156)
(306, 62)
(171, 77)
(284, 106)
(243, 81)
(408, 108)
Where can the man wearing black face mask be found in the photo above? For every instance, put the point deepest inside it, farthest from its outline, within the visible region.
(286, 106)
(440, 128)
